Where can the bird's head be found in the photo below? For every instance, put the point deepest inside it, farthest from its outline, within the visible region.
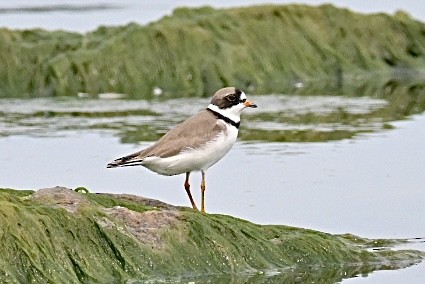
(230, 102)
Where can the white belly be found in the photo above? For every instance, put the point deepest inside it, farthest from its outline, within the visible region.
(199, 159)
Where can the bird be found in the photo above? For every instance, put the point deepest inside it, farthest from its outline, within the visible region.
(195, 144)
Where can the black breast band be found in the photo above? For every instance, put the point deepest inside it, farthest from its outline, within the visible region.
(225, 118)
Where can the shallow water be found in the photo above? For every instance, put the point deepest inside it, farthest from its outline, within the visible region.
(369, 185)
(354, 186)
(47, 116)
(337, 187)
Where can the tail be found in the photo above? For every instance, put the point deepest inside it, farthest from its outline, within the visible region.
(130, 160)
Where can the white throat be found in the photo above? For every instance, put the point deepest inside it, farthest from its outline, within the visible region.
(233, 113)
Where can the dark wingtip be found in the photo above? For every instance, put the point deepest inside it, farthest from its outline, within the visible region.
(111, 165)
(120, 162)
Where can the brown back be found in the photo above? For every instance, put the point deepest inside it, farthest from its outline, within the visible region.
(194, 132)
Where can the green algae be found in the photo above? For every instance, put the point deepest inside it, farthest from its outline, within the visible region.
(402, 97)
(194, 52)
(94, 114)
(357, 107)
(297, 135)
(46, 240)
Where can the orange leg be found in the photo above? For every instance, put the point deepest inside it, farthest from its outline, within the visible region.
(203, 192)
(187, 187)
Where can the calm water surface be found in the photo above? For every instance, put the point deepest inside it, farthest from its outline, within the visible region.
(371, 185)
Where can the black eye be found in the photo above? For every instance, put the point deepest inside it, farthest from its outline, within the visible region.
(243, 100)
(231, 98)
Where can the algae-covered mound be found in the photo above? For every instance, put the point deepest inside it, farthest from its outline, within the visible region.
(261, 49)
(59, 235)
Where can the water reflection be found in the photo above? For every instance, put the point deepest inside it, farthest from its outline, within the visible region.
(311, 114)
(299, 274)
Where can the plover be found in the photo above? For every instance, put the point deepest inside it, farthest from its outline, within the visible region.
(197, 143)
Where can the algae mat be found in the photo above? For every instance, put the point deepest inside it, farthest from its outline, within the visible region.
(261, 49)
(59, 235)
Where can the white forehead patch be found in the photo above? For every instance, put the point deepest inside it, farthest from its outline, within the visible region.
(243, 96)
